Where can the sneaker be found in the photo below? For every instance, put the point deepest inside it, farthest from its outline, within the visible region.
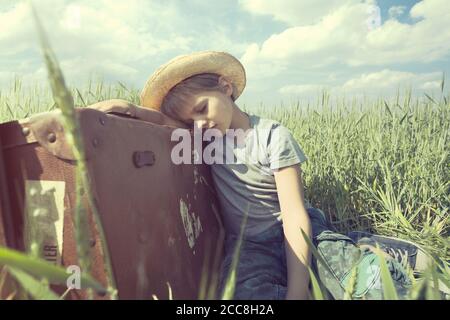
(404, 251)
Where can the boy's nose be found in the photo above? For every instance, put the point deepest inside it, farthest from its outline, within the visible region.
(200, 124)
(204, 124)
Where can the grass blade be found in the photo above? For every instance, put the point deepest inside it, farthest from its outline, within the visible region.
(81, 97)
(39, 290)
(64, 100)
(352, 283)
(64, 295)
(360, 119)
(169, 288)
(123, 86)
(404, 117)
(387, 108)
(40, 268)
(430, 98)
(432, 292)
(389, 291)
(316, 289)
(318, 256)
(230, 283)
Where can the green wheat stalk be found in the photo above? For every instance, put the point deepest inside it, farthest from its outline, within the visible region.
(230, 283)
(65, 103)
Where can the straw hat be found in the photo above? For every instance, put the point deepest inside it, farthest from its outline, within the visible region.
(179, 68)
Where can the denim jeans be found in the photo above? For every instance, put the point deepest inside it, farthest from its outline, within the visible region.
(262, 272)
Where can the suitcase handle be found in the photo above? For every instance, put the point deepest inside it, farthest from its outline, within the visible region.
(143, 158)
(123, 108)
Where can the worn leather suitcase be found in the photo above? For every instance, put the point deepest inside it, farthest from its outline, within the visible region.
(161, 221)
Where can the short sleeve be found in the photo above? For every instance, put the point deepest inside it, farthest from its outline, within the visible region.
(283, 149)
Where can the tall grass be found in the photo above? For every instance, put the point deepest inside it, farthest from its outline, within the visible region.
(63, 100)
(382, 167)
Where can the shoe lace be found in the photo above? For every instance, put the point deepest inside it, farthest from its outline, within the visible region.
(400, 255)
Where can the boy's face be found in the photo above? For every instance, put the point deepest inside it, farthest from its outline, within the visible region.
(208, 109)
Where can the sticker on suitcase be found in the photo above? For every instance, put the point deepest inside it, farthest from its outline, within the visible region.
(44, 218)
(191, 223)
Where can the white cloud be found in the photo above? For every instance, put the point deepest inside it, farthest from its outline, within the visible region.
(431, 85)
(219, 38)
(343, 36)
(396, 11)
(15, 27)
(386, 79)
(323, 43)
(313, 45)
(125, 40)
(98, 36)
(301, 89)
(293, 12)
(385, 82)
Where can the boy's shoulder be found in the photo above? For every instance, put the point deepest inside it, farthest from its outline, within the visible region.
(277, 142)
(268, 128)
(263, 123)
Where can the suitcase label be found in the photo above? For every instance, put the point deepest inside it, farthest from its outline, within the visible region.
(44, 208)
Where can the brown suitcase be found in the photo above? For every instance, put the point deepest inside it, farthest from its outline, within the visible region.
(161, 221)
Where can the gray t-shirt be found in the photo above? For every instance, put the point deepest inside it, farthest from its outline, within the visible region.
(247, 182)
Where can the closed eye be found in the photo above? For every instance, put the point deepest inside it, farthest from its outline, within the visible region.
(204, 108)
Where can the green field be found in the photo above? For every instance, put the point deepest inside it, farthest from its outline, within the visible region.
(382, 166)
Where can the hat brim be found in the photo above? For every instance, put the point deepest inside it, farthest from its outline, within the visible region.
(182, 67)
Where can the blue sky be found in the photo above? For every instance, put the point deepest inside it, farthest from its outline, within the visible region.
(290, 49)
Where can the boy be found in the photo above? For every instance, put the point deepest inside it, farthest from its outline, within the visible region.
(218, 79)
(267, 193)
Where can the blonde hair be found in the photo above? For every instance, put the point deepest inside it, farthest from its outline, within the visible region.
(178, 96)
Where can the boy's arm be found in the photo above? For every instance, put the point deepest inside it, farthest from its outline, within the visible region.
(146, 114)
(294, 215)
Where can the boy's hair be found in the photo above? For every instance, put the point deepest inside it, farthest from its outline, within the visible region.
(178, 96)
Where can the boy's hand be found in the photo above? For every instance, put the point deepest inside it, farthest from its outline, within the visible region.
(299, 295)
(145, 114)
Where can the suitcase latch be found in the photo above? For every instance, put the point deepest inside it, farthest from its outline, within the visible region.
(143, 158)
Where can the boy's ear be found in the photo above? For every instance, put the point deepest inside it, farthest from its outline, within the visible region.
(226, 85)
